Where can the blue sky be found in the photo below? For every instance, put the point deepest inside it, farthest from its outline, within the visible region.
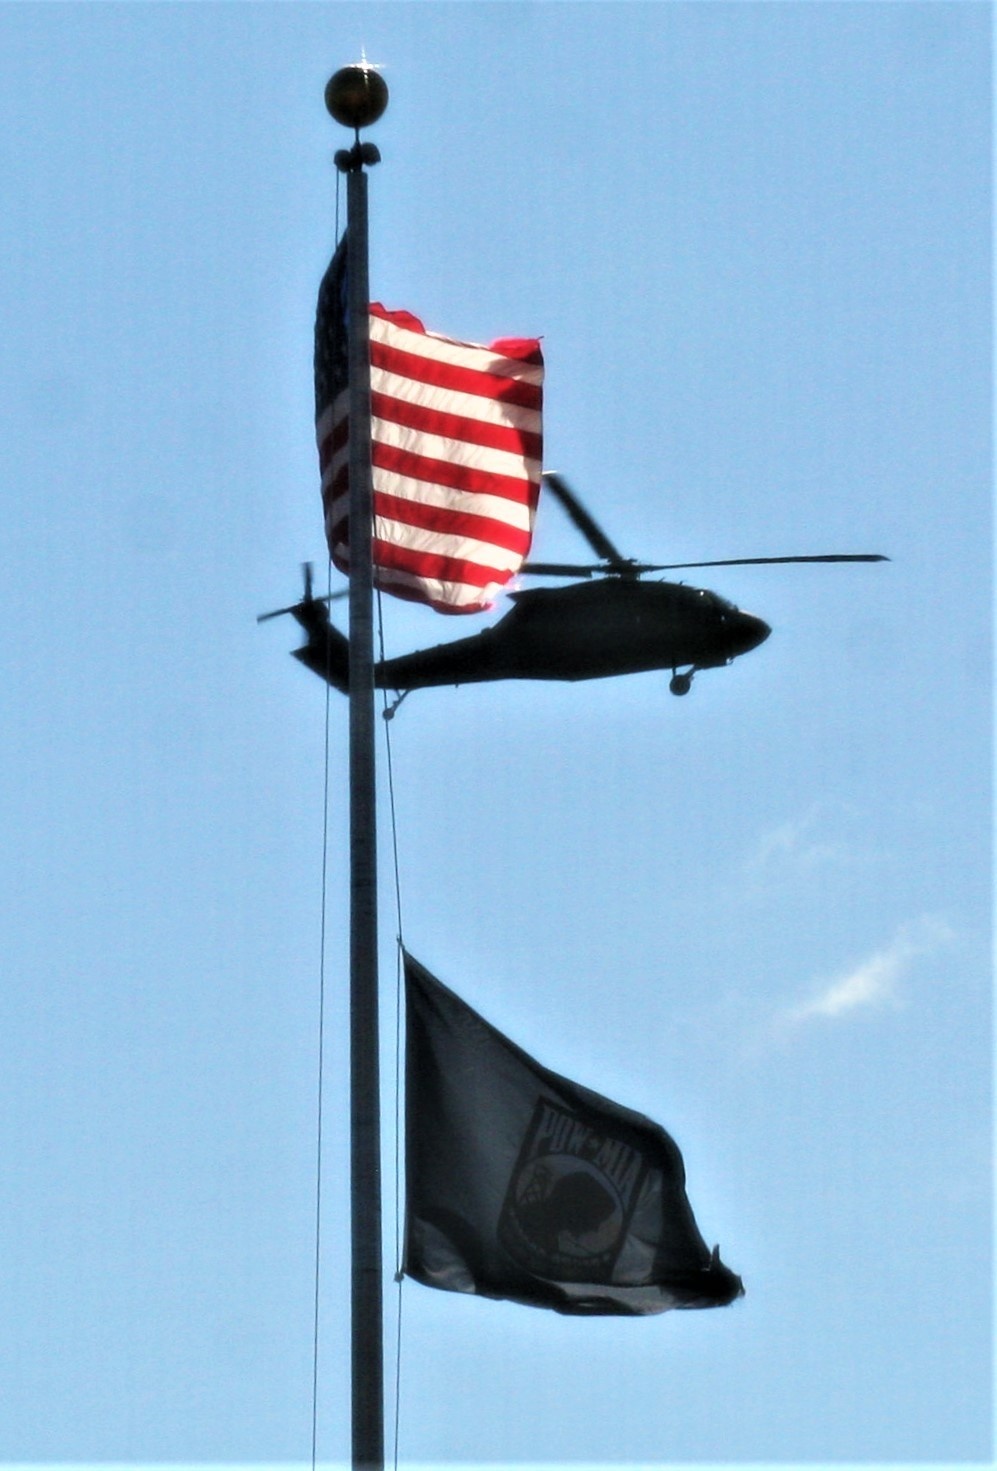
(756, 241)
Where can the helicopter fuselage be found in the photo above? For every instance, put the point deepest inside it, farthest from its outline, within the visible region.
(586, 630)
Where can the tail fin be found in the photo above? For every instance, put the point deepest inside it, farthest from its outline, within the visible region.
(327, 652)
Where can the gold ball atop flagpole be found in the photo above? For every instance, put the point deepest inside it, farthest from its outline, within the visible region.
(356, 96)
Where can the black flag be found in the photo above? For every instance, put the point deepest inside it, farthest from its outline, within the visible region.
(523, 1185)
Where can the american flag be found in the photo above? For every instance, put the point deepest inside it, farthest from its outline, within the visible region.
(456, 452)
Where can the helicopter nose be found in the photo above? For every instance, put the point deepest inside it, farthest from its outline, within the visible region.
(748, 632)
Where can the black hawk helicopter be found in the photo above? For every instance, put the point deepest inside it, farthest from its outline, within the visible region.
(592, 629)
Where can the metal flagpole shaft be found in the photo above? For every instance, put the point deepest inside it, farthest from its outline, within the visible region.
(356, 96)
(367, 1355)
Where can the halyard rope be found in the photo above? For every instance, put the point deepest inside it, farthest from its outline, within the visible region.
(386, 713)
(398, 1060)
(321, 1012)
(321, 1052)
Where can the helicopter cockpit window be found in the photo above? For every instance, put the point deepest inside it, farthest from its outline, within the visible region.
(717, 601)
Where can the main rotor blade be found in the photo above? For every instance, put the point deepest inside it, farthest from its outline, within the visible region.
(637, 569)
(760, 561)
(563, 569)
(326, 597)
(592, 532)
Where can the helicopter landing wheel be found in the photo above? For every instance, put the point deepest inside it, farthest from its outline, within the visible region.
(680, 684)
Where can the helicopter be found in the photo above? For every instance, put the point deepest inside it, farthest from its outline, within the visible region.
(609, 623)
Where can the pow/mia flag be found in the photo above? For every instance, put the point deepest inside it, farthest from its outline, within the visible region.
(523, 1185)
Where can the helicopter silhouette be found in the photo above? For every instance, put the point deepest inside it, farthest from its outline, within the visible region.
(609, 624)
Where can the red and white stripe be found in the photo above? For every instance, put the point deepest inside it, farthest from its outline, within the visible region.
(456, 451)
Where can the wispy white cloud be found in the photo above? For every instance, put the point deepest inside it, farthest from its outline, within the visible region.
(876, 981)
(809, 842)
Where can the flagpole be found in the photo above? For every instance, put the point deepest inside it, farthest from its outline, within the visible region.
(356, 96)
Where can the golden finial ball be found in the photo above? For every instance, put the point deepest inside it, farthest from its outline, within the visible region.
(356, 96)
